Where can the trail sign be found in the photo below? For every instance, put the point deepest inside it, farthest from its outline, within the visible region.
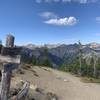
(10, 57)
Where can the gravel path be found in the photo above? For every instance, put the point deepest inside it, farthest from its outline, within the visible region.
(64, 85)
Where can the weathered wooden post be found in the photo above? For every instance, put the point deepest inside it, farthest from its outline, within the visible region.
(10, 59)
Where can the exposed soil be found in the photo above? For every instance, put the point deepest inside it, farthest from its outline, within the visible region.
(64, 85)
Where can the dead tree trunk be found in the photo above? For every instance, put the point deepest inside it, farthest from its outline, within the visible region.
(24, 92)
(22, 95)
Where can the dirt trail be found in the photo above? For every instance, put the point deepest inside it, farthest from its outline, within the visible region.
(65, 85)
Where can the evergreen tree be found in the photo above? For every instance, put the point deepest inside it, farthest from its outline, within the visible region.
(0, 42)
(92, 58)
(34, 60)
(80, 56)
(0, 45)
(46, 61)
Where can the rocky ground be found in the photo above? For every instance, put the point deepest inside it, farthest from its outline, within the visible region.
(47, 83)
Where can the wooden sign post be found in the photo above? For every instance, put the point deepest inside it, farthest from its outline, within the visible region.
(10, 59)
(5, 82)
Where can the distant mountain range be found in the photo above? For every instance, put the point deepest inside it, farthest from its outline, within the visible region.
(32, 46)
(58, 53)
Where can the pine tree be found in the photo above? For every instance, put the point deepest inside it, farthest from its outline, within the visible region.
(92, 58)
(80, 56)
(46, 61)
(0, 45)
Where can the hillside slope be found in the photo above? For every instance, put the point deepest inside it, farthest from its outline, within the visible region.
(64, 85)
(58, 55)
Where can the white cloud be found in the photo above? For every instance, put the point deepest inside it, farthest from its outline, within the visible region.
(65, 1)
(98, 34)
(38, 1)
(98, 19)
(62, 21)
(56, 0)
(47, 1)
(48, 15)
(83, 1)
(93, 1)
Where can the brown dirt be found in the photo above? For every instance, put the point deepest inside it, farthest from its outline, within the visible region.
(64, 85)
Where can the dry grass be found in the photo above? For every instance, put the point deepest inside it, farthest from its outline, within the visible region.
(34, 72)
(26, 66)
(20, 71)
(90, 80)
(46, 69)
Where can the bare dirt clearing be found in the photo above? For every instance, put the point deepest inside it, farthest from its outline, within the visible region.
(64, 85)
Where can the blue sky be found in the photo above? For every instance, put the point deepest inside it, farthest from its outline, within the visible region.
(50, 21)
